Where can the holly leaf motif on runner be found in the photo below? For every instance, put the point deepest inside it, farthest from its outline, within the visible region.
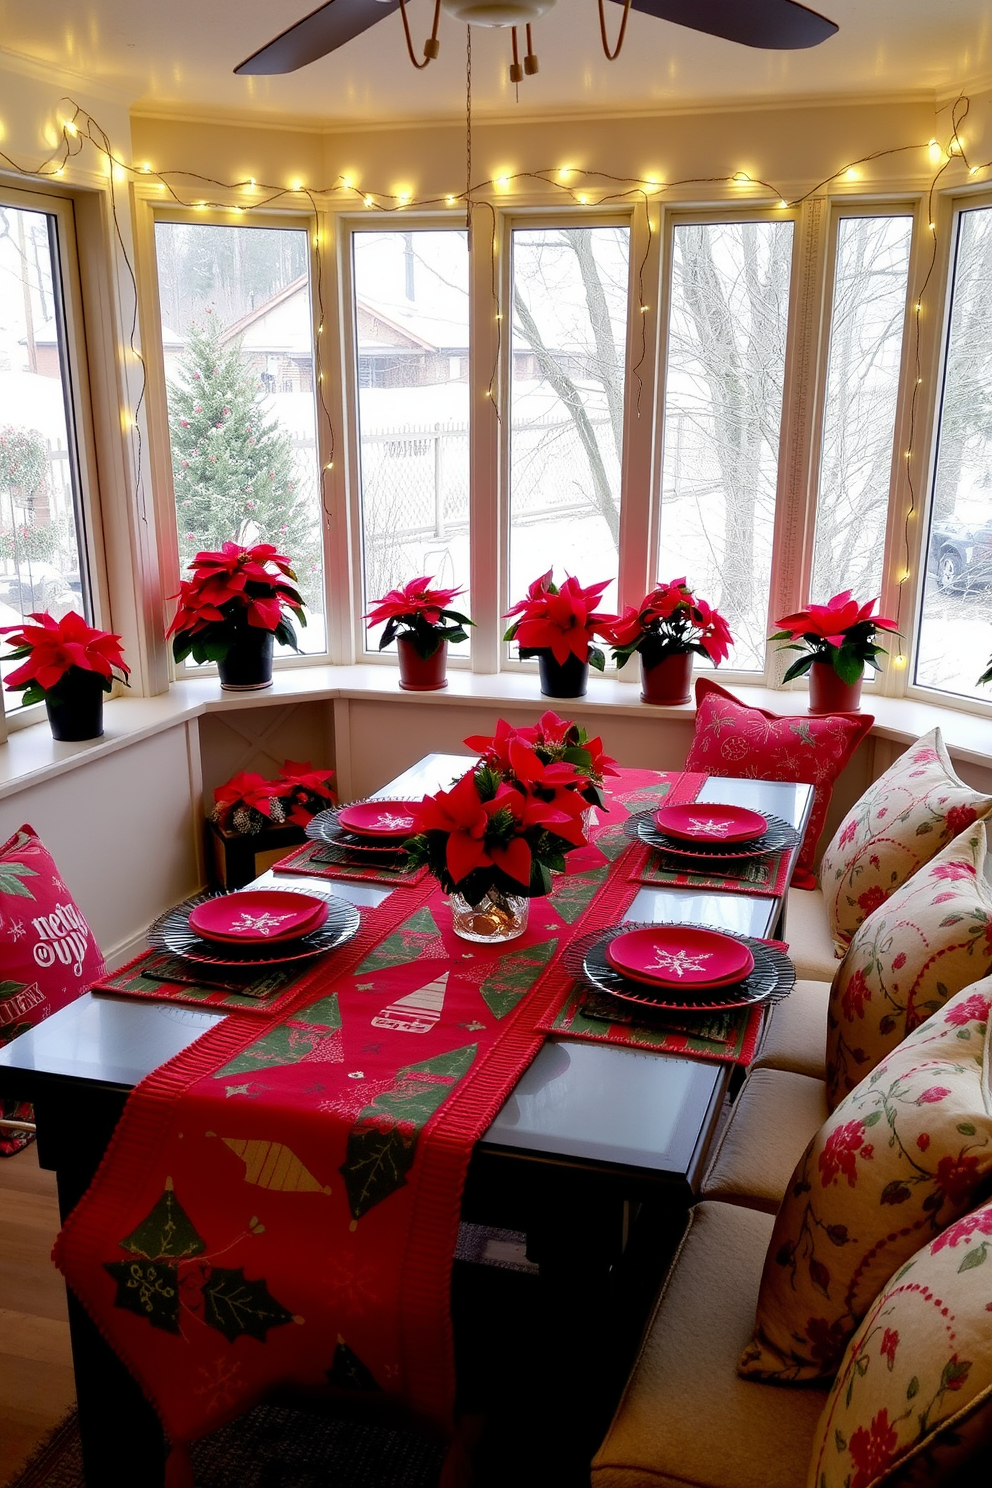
(236, 1306)
(347, 1372)
(149, 1289)
(383, 1142)
(165, 1231)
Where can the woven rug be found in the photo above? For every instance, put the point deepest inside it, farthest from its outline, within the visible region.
(271, 1447)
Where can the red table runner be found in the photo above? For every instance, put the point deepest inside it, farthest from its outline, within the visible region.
(280, 1202)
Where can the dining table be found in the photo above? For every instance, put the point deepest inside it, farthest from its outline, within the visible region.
(590, 1131)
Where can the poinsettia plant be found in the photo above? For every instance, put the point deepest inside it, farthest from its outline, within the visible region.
(229, 590)
(841, 632)
(670, 621)
(248, 802)
(563, 620)
(501, 833)
(555, 741)
(419, 614)
(50, 649)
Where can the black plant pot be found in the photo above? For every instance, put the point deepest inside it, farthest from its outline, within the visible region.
(562, 679)
(75, 706)
(247, 667)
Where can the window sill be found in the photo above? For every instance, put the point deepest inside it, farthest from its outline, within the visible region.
(30, 755)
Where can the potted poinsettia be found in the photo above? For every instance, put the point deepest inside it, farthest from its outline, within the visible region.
(68, 665)
(667, 628)
(422, 623)
(558, 625)
(494, 839)
(233, 609)
(836, 642)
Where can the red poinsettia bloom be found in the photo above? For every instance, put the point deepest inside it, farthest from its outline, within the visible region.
(461, 814)
(233, 580)
(560, 620)
(299, 784)
(54, 646)
(413, 599)
(832, 622)
(247, 789)
(672, 616)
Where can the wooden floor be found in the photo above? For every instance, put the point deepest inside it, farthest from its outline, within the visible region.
(36, 1386)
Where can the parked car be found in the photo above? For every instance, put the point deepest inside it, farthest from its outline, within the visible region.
(39, 586)
(960, 555)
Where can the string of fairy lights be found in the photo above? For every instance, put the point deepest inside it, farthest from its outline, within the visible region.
(581, 187)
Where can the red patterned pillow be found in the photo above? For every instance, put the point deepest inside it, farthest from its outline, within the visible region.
(47, 951)
(749, 743)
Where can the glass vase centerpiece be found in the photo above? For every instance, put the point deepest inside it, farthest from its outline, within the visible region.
(495, 838)
(420, 621)
(558, 626)
(836, 642)
(68, 665)
(667, 628)
(232, 611)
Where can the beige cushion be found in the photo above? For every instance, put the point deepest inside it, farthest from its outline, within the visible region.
(914, 1390)
(900, 823)
(932, 937)
(808, 933)
(773, 1119)
(903, 1156)
(685, 1417)
(796, 1032)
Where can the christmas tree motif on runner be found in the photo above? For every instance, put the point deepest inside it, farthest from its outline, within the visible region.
(275, 1167)
(417, 938)
(162, 1280)
(316, 1040)
(348, 1372)
(513, 976)
(644, 796)
(383, 1142)
(612, 842)
(418, 1011)
(574, 892)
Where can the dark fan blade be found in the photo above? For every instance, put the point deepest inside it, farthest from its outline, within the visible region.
(322, 31)
(776, 24)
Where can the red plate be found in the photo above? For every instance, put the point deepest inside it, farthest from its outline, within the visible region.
(258, 916)
(711, 824)
(680, 956)
(386, 819)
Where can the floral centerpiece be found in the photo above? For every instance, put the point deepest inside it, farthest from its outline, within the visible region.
(420, 621)
(668, 626)
(836, 642)
(495, 838)
(68, 665)
(558, 626)
(555, 741)
(236, 605)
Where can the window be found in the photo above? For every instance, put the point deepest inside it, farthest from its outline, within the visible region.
(237, 339)
(722, 415)
(568, 366)
(42, 510)
(955, 632)
(411, 320)
(868, 310)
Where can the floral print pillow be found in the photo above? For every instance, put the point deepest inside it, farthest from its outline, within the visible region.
(930, 938)
(916, 1381)
(735, 740)
(905, 1154)
(901, 821)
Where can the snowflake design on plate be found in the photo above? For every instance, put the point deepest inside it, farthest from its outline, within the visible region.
(388, 822)
(263, 924)
(678, 963)
(708, 827)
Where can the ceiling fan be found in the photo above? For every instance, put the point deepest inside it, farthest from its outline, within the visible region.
(774, 24)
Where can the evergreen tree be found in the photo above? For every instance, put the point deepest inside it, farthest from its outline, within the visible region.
(232, 463)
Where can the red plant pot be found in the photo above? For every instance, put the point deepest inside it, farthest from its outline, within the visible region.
(667, 680)
(828, 693)
(421, 673)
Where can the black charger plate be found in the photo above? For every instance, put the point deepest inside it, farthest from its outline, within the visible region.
(171, 932)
